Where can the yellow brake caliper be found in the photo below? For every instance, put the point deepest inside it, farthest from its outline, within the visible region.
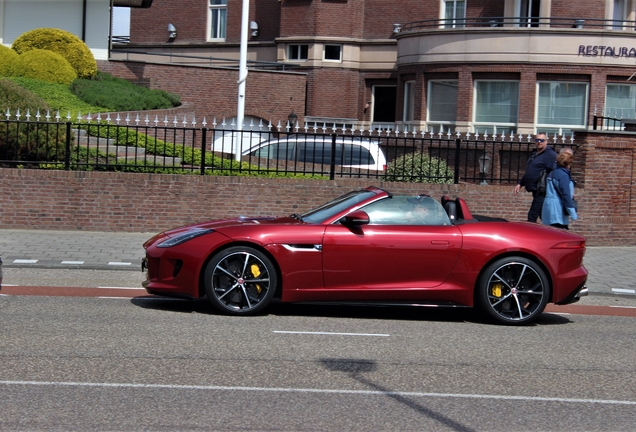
(256, 272)
(496, 289)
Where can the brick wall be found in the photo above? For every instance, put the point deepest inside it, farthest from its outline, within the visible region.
(213, 91)
(43, 199)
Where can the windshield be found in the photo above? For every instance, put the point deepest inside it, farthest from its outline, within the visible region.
(328, 210)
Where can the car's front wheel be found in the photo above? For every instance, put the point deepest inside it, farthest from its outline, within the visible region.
(240, 280)
(513, 290)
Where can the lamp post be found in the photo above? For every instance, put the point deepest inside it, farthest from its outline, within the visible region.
(240, 110)
(484, 167)
(292, 119)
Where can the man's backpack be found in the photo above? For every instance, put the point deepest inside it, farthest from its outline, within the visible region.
(541, 184)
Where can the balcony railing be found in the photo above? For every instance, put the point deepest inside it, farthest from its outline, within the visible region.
(520, 22)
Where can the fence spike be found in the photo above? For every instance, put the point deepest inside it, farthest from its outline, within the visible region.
(28, 115)
(269, 125)
(194, 121)
(572, 137)
(214, 123)
(99, 117)
(185, 122)
(108, 118)
(306, 126)
(260, 124)
(137, 119)
(147, 120)
(175, 121)
(17, 114)
(79, 116)
(204, 122)
(68, 115)
(8, 114)
(127, 118)
(278, 126)
(37, 115)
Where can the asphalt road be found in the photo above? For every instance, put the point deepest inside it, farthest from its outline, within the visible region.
(87, 363)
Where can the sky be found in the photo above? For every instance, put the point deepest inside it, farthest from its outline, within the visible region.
(121, 21)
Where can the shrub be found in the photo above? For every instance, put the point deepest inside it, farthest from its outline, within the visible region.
(14, 97)
(62, 42)
(118, 94)
(44, 65)
(7, 55)
(419, 168)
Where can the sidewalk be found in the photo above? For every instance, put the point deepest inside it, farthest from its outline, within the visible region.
(612, 270)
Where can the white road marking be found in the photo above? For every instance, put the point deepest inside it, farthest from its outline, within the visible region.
(115, 263)
(624, 307)
(322, 391)
(121, 288)
(624, 291)
(72, 262)
(333, 333)
(24, 261)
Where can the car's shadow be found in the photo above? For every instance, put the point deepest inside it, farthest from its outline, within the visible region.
(337, 310)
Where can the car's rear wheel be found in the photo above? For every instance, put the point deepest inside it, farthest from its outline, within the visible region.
(240, 280)
(513, 290)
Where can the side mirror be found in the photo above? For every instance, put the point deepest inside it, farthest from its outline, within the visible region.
(357, 217)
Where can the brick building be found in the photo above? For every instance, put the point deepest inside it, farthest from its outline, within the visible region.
(465, 65)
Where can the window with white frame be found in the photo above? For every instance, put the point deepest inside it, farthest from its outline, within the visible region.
(561, 106)
(409, 105)
(441, 108)
(217, 18)
(297, 52)
(496, 108)
(454, 13)
(333, 52)
(620, 101)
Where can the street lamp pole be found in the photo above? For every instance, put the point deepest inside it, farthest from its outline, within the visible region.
(240, 110)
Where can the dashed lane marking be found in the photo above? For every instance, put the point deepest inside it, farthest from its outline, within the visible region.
(624, 291)
(333, 333)
(115, 263)
(25, 261)
(72, 262)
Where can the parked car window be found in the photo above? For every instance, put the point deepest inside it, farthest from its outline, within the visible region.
(280, 150)
(357, 155)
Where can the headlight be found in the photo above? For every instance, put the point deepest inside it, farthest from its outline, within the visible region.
(184, 237)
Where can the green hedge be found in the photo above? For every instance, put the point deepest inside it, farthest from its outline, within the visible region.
(117, 94)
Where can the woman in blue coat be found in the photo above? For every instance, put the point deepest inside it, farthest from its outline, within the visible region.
(558, 206)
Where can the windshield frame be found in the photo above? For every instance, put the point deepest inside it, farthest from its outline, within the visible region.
(336, 206)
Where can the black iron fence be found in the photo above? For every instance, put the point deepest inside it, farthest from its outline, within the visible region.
(184, 147)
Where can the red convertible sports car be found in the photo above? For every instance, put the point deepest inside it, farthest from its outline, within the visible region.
(370, 246)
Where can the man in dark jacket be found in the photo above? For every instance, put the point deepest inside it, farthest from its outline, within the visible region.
(543, 158)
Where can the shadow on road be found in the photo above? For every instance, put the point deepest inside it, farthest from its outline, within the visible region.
(394, 313)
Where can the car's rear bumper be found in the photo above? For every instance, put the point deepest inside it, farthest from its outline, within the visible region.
(576, 295)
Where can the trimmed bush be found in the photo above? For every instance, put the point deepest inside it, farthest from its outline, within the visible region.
(62, 42)
(43, 65)
(118, 94)
(419, 168)
(7, 55)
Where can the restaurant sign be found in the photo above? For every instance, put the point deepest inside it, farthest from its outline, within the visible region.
(606, 51)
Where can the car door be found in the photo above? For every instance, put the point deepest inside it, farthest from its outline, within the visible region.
(389, 254)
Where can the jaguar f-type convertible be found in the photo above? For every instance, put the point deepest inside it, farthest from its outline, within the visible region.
(370, 246)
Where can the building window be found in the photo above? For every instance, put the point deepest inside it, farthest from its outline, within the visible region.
(217, 16)
(496, 106)
(297, 52)
(333, 53)
(409, 105)
(529, 11)
(620, 101)
(441, 109)
(454, 13)
(561, 106)
(619, 15)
